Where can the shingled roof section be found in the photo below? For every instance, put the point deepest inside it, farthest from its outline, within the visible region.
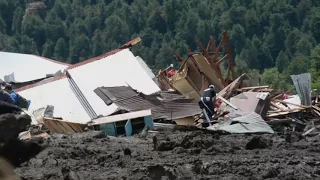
(164, 105)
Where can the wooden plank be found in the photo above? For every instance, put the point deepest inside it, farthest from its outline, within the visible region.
(60, 128)
(275, 105)
(76, 127)
(67, 127)
(285, 112)
(310, 130)
(227, 102)
(317, 108)
(50, 125)
(121, 117)
(302, 106)
(254, 87)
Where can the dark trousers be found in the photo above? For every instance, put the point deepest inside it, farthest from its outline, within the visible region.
(208, 106)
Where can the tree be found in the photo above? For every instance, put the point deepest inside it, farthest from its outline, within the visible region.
(282, 62)
(17, 20)
(3, 26)
(249, 55)
(117, 29)
(273, 78)
(80, 50)
(263, 34)
(299, 64)
(61, 50)
(165, 56)
(33, 27)
(157, 22)
(237, 38)
(48, 49)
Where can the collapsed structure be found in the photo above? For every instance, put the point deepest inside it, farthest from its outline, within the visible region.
(118, 94)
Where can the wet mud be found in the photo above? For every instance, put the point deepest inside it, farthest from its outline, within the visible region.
(174, 155)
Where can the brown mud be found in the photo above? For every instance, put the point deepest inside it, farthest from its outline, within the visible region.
(178, 155)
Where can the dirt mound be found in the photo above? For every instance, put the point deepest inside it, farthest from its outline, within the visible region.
(17, 152)
(179, 155)
(258, 142)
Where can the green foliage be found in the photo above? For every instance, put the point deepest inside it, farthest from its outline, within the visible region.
(281, 36)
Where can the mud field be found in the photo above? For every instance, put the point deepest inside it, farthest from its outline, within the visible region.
(179, 155)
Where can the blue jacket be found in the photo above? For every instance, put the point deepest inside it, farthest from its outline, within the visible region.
(15, 97)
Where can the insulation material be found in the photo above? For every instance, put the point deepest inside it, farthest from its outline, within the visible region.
(60, 95)
(120, 69)
(17, 67)
(294, 99)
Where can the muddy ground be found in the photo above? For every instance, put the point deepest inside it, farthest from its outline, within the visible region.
(179, 155)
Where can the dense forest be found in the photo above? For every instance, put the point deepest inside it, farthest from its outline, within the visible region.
(270, 39)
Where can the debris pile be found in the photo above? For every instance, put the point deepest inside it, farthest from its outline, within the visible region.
(133, 124)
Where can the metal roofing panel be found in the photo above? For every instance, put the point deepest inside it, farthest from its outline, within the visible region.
(119, 69)
(302, 83)
(249, 123)
(161, 106)
(60, 95)
(27, 67)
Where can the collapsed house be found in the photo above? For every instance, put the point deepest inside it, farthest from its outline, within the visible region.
(72, 95)
(25, 69)
(118, 93)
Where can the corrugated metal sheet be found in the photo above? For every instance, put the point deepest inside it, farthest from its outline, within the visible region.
(26, 67)
(249, 123)
(161, 106)
(302, 82)
(82, 99)
(119, 69)
(59, 94)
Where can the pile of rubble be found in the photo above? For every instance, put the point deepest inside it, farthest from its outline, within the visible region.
(89, 97)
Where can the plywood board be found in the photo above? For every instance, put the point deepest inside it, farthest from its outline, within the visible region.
(61, 126)
(121, 117)
(185, 121)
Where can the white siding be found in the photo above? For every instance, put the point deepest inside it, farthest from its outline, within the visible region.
(59, 94)
(27, 67)
(120, 69)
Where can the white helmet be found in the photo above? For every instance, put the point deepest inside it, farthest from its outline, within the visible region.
(211, 86)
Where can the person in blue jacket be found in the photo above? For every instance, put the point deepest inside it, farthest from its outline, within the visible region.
(207, 101)
(13, 94)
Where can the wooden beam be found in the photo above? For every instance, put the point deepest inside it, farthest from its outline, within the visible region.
(222, 59)
(227, 102)
(302, 106)
(277, 106)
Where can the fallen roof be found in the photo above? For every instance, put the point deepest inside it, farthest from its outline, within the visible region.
(119, 69)
(26, 67)
(249, 123)
(162, 105)
(60, 95)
